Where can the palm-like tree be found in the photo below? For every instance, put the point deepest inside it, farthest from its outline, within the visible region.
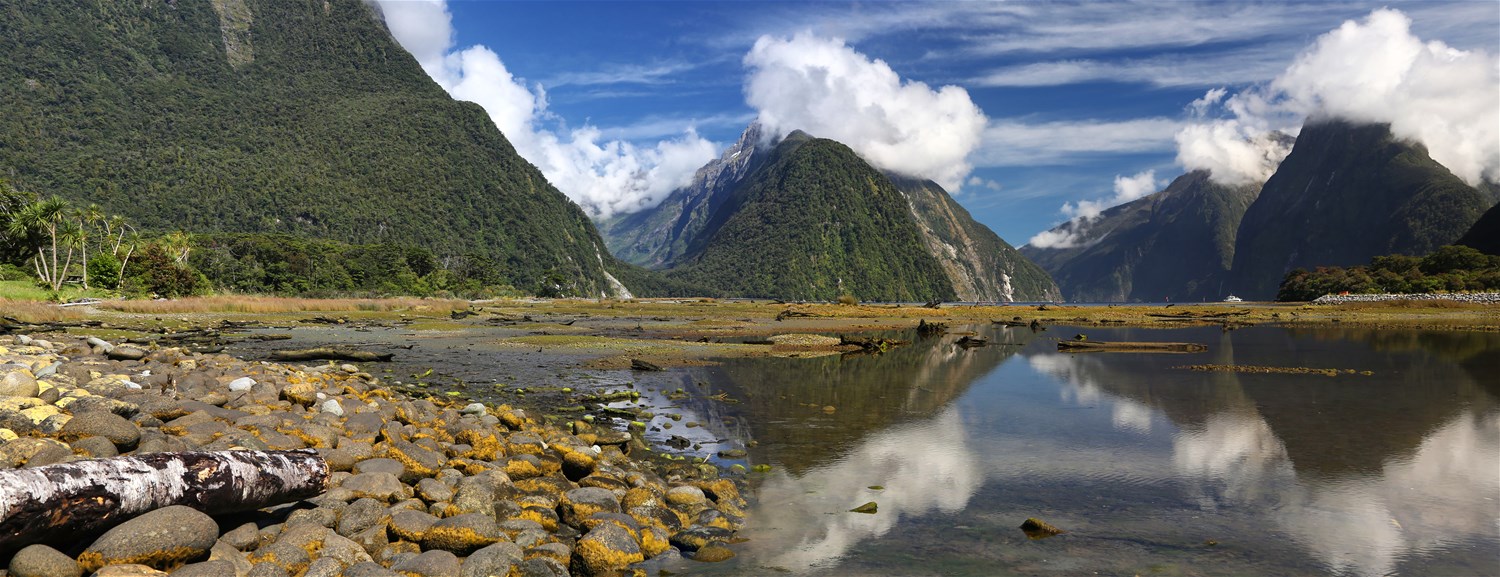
(47, 216)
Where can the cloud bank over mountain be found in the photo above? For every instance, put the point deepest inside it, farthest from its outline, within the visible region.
(823, 86)
(1370, 71)
(604, 177)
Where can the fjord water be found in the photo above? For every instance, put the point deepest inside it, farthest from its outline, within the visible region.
(1153, 469)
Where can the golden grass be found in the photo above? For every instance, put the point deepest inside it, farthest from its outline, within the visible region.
(244, 304)
(1413, 304)
(36, 312)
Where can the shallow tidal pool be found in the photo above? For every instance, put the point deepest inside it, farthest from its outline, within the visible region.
(1150, 468)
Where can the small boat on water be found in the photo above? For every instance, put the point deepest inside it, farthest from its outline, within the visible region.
(1233, 299)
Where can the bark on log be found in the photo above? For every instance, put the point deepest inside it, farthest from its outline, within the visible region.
(51, 503)
(328, 353)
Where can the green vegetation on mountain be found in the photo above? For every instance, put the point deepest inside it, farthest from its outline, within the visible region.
(1344, 195)
(815, 222)
(1177, 244)
(1485, 234)
(295, 117)
(1448, 269)
(980, 265)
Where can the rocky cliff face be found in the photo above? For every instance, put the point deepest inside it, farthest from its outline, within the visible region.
(1177, 245)
(1346, 194)
(658, 237)
(979, 264)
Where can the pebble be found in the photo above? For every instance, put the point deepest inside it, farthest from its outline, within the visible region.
(19, 383)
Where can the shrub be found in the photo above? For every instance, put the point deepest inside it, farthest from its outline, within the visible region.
(848, 299)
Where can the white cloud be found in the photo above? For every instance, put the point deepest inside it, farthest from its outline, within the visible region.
(978, 182)
(1017, 143)
(826, 88)
(1174, 70)
(604, 177)
(1083, 214)
(1372, 71)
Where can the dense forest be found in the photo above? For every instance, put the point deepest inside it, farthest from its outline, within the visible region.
(815, 222)
(285, 117)
(1449, 269)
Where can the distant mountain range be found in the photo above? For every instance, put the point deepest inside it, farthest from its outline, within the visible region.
(1485, 234)
(808, 218)
(1175, 245)
(273, 116)
(1345, 194)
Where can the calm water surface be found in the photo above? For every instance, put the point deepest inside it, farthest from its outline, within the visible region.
(1152, 469)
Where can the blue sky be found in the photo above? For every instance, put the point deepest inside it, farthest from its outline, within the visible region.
(1076, 102)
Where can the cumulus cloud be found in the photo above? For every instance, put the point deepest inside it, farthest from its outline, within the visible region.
(603, 176)
(1370, 71)
(828, 89)
(1083, 214)
(978, 182)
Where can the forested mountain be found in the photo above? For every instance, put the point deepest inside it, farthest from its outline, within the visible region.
(814, 222)
(977, 264)
(1345, 194)
(980, 265)
(1485, 234)
(279, 116)
(1177, 244)
(658, 237)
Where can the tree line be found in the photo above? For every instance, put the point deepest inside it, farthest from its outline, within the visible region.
(1448, 269)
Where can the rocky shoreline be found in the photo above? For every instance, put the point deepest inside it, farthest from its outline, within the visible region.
(1472, 298)
(417, 487)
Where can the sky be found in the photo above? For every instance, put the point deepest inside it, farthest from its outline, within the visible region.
(1029, 113)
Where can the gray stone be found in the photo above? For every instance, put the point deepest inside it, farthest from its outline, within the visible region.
(369, 569)
(267, 570)
(433, 490)
(496, 559)
(580, 504)
(124, 434)
(541, 567)
(243, 538)
(383, 487)
(430, 564)
(323, 567)
(343, 550)
(126, 353)
(162, 538)
(411, 525)
(213, 568)
(43, 561)
(95, 448)
(361, 515)
(380, 465)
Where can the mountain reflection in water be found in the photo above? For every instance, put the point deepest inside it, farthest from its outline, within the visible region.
(1151, 468)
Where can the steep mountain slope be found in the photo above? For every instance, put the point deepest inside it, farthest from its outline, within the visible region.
(283, 116)
(1485, 234)
(1347, 193)
(814, 222)
(658, 237)
(980, 265)
(1177, 244)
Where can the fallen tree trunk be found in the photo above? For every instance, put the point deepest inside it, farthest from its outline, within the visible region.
(1129, 347)
(331, 354)
(51, 503)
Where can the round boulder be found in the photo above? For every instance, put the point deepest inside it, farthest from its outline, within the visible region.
(43, 561)
(163, 539)
(19, 383)
(606, 549)
(119, 431)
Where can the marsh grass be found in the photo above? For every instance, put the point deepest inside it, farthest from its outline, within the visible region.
(246, 304)
(28, 311)
(1413, 304)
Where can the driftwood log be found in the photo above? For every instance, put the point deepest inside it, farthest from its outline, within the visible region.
(51, 503)
(331, 354)
(1129, 347)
